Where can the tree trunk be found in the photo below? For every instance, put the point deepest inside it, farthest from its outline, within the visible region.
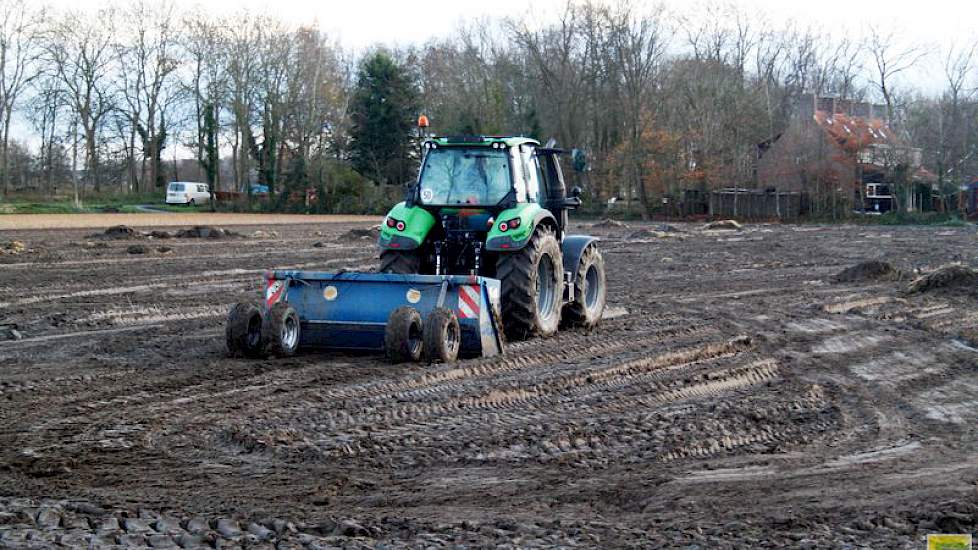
(133, 176)
(5, 150)
(92, 160)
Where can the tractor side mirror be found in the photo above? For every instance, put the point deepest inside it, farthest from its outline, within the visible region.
(579, 160)
(573, 199)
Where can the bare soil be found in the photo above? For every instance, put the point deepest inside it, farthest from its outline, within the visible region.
(164, 219)
(736, 395)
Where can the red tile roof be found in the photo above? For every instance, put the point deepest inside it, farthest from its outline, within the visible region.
(855, 133)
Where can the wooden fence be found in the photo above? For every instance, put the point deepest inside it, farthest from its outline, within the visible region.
(756, 204)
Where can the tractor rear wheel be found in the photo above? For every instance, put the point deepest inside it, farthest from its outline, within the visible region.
(282, 330)
(442, 336)
(402, 262)
(403, 335)
(532, 282)
(243, 332)
(590, 292)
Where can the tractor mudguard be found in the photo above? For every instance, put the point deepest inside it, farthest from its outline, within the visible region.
(573, 248)
(530, 215)
(417, 223)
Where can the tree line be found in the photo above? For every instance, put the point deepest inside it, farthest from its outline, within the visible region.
(661, 101)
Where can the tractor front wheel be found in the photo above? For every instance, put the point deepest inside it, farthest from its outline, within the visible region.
(532, 282)
(396, 261)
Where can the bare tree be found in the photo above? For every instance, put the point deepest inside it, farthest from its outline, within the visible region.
(79, 48)
(45, 111)
(637, 43)
(206, 44)
(889, 61)
(147, 52)
(21, 26)
(245, 40)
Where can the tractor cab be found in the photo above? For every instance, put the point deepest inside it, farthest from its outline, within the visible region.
(484, 194)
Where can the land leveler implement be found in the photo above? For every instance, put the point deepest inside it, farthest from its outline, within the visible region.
(477, 249)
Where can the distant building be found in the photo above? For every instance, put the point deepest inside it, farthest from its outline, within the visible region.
(847, 148)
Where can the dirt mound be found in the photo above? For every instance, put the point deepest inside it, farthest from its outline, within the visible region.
(137, 249)
(609, 223)
(206, 232)
(731, 225)
(873, 270)
(947, 277)
(357, 233)
(117, 233)
(12, 248)
(652, 234)
(644, 234)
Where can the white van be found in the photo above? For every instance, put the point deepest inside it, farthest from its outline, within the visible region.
(184, 192)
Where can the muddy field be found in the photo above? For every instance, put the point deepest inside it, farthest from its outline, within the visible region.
(737, 395)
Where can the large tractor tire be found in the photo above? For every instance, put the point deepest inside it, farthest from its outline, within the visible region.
(396, 261)
(243, 331)
(282, 330)
(590, 292)
(532, 286)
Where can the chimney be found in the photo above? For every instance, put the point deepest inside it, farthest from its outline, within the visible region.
(879, 111)
(826, 104)
(805, 106)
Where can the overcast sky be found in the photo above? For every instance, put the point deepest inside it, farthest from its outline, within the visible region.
(362, 23)
(359, 24)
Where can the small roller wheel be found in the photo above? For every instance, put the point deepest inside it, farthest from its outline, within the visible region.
(243, 332)
(403, 335)
(282, 330)
(442, 336)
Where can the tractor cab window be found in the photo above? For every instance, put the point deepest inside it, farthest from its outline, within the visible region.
(465, 175)
(531, 173)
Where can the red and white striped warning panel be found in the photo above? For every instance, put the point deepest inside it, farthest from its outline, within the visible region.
(468, 302)
(274, 292)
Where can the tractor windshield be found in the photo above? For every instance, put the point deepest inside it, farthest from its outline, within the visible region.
(465, 175)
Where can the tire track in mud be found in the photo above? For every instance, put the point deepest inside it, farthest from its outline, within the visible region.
(434, 431)
(172, 281)
(424, 385)
(183, 399)
(483, 394)
(141, 315)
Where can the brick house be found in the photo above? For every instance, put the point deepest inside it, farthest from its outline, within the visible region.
(842, 151)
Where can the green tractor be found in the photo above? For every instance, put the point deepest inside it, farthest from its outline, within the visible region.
(498, 207)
